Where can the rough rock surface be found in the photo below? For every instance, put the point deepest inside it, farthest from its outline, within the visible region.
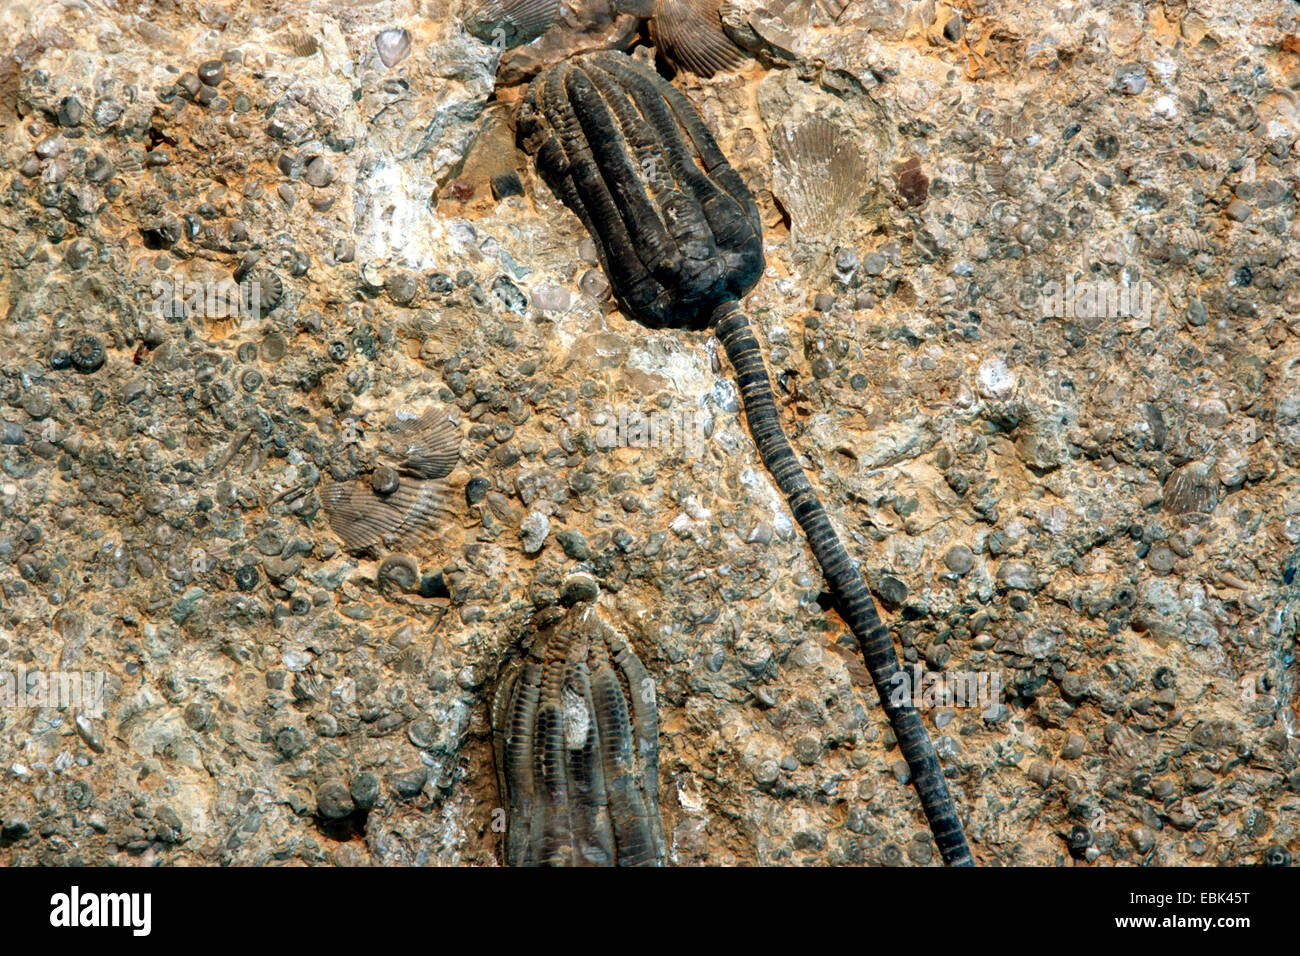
(1097, 506)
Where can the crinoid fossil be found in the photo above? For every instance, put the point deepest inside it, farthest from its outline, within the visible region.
(397, 504)
(576, 739)
(689, 34)
(511, 23)
(819, 175)
(680, 239)
(675, 227)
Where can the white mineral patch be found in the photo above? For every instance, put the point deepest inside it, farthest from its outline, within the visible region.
(686, 368)
(994, 380)
(393, 221)
(763, 488)
(577, 719)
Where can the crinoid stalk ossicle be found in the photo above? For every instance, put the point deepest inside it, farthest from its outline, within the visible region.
(679, 236)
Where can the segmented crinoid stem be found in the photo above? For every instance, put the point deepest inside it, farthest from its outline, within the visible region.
(576, 740)
(680, 239)
(851, 594)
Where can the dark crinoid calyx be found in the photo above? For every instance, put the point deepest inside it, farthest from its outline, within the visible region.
(680, 239)
(398, 505)
(576, 738)
(675, 226)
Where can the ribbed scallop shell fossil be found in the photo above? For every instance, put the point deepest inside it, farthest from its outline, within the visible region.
(302, 44)
(396, 506)
(689, 34)
(576, 741)
(370, 523)
(426, 446)
(819, 174)
(1192, 489)
(511, 22)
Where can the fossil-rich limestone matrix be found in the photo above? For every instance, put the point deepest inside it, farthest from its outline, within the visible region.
(316, 409)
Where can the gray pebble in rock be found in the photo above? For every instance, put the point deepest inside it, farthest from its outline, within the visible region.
(594, 284)
(393, 46)
(189, 85)
(410, 783)
(579, 588)
(1142, 839)
(71, 112)
(476, 490)
(365, 791)
(892, 591)
(319, 173)
(1238, 211)
(107, 111)
(509, 294)
(334, 800)
(422, 733)
(959, 559)
(1131, 79)
(574, 544)
(212, 72)
(550, 298)
(533, 531)
(766, 773)
(1017, 574)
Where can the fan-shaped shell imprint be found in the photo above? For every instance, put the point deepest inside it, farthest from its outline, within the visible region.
(511, 22)
(819, 173)
(370, 514)
(427, 446)
(576, 741)
(689, 34)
